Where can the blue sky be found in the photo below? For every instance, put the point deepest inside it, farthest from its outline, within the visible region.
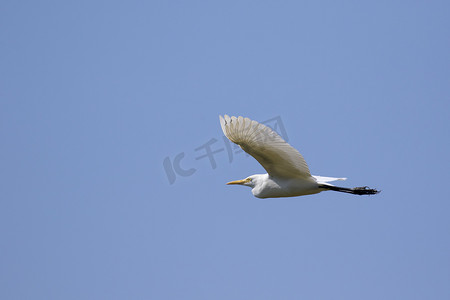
(96, 95)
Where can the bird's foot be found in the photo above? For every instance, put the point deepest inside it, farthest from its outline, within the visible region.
(365, 190)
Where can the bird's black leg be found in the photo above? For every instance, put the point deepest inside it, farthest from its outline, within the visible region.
(364, 190)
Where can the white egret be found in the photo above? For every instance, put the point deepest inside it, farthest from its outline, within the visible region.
(287, 172)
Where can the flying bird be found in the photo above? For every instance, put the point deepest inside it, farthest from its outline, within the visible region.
(287, 172)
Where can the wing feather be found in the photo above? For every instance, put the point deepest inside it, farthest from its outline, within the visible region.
(277, 157)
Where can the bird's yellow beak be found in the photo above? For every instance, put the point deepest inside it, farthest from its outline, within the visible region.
(243, 181)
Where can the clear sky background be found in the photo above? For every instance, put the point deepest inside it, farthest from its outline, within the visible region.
(96, 95)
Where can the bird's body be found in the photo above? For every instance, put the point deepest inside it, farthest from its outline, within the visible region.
(287, 172)
(266, 186)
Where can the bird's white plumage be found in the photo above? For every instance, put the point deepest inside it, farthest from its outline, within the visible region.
(277, 157)
(287, 172)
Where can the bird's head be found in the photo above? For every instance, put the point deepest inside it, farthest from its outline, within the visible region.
(250, 181)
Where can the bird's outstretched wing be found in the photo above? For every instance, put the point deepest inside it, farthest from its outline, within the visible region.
(276, 156)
